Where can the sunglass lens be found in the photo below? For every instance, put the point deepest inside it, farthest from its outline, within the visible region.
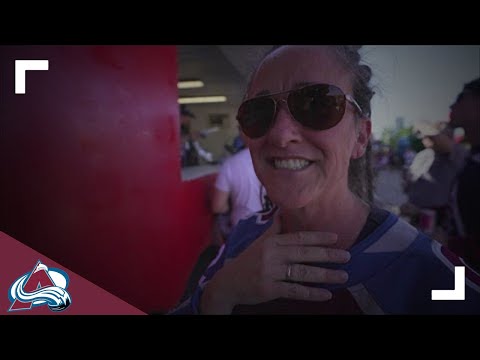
(255, 116)
(319, 107)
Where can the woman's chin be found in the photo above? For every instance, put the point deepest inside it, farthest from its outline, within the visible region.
(289, 200)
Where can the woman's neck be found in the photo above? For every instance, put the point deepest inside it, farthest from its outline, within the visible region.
(344, 215)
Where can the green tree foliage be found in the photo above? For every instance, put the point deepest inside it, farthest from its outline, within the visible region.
(391, 137)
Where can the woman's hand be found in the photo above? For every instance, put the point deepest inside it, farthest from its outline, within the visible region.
(272, 268)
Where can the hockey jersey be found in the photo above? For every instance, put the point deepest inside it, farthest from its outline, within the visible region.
(393, 270)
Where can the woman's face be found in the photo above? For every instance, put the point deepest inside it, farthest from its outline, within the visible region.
(298, 165)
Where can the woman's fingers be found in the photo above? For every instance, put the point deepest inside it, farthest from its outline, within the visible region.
(300, 292)
(305, 254)
(311, 274)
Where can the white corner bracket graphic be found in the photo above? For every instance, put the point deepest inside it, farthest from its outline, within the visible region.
(21, 66)
(456, 294)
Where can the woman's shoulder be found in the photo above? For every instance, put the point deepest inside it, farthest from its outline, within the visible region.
(411, 264)
(432, 259)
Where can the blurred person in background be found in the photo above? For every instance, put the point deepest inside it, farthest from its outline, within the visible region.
(465, 199)
(190, 149)
(238, 193)
(430, 179)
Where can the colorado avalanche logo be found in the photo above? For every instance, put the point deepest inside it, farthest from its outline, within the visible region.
(42, 286)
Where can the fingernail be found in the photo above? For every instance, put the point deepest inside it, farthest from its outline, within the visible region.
(344, 256)
(343, 276)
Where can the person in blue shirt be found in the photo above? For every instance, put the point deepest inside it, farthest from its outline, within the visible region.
(323, 248)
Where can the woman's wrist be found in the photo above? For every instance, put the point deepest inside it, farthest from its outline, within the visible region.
(214, 300)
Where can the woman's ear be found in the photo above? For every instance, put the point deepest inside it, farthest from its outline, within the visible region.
(364, 131)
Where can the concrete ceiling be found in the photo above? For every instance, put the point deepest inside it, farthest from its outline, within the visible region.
(224, 69)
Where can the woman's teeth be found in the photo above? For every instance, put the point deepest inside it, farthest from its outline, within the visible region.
(291, 164)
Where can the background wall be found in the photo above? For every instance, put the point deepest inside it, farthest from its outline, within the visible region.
(90, 171)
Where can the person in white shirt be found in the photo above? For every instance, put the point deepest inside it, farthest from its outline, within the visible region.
(238, 191)
(237, 194)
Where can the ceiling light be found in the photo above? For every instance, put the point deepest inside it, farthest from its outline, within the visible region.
(201, 99)
(190, 84)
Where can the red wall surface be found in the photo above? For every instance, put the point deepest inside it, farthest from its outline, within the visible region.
(90, 169)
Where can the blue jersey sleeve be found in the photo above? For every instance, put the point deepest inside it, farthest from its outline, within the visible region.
(191, 306)
(243, 234)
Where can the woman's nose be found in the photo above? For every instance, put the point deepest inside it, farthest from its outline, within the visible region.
(285, 128)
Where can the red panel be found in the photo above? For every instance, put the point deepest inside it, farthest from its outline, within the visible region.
(90, 170)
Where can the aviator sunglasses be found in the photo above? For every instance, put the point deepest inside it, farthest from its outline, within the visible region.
(317, 106)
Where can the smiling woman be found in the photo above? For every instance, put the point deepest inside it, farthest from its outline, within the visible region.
(323, 248)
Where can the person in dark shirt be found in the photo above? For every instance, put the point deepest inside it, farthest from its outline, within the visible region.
(429, 184)
(465, 113)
